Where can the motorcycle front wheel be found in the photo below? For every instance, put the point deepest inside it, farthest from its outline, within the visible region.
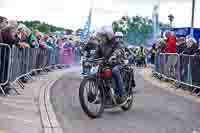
(91, 93)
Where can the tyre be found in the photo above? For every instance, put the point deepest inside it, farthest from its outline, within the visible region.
(96, 97)
(129, 104)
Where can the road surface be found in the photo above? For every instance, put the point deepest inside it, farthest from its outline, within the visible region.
(154, 111)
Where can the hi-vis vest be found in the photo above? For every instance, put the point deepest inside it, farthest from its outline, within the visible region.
(141, 52)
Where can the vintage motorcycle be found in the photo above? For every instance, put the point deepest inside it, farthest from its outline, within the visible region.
(98, 88)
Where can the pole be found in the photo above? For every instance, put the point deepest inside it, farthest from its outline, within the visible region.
(171, 24)
(193, 8)
(156, 18)
(192, 19)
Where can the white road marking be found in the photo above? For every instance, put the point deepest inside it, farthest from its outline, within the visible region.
(20, 97)
(17, 100)
(15, 118)
(19, 106)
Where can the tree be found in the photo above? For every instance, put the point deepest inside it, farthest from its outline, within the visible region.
(43, 27)
(138, 29)
(164, 25)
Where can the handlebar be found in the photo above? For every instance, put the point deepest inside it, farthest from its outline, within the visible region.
(96, 60)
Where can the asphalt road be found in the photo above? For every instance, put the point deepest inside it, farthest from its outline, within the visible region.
(154, 111)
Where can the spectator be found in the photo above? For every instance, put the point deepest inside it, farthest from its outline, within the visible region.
(67, 43)
(60, 42)
(9, 36)
(38, 35)
(172, 58)
(13, 23)
(192, 46)
(50, 42)
(161, 45)
(46, 39)
(27, 36)
(181, 45)
(141, 55)
(3, 22)
(192, 61)
(41, 40)
(171, 43)
(153, 53)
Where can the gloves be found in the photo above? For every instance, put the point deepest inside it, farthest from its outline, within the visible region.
(23, 45)
(126, 61)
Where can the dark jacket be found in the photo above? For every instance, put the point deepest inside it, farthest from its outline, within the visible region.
(197, 52)
(180, 48)
(114, 53)
(118, 56)
(104, 50)
(191, 51)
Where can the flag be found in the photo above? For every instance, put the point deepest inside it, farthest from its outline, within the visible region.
(86, 31)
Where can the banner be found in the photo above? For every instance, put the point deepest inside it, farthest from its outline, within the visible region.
(86, 31)
(183, 32)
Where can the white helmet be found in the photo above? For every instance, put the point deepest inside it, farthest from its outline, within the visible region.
(119, 34)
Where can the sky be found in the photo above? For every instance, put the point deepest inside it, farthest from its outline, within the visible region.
(73, 13)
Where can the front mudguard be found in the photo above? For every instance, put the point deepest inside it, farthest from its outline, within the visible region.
(131, 75)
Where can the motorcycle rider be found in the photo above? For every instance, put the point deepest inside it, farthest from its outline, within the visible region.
(112, 50)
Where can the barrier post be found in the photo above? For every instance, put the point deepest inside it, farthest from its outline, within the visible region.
(178, 72)
(5, 66)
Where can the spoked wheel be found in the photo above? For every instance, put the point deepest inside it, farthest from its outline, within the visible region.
(128, 104)
(91, 98)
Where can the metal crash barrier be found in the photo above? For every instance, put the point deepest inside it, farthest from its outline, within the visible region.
(5, 61)
(16, 63)
(182, 69)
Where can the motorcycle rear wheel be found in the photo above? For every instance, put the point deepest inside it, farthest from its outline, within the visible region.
(83, 103)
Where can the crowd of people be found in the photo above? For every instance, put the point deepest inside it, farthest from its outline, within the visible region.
(18, 35)
(181, 45)
(173, 45)
(168, 44)
(184, 68)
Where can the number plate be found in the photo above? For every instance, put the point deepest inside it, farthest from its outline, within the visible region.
(92, 52)
(94, 70)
